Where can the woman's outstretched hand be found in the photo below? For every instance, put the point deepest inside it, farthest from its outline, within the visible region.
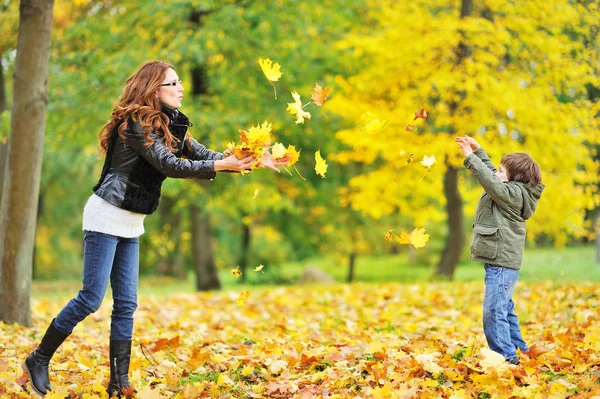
(233, 164)
(267, 161)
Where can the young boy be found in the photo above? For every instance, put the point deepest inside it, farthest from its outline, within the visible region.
(510, 198)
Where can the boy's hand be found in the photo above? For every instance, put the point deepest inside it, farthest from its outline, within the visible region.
(463, 144)
(472, 143)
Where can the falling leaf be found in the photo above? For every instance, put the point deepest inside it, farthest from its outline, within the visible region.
(409, 128)
(241, 300)
(428, 161)
(321, 166)
(372, 123)
(388, 235)
(270, 69)
(259, 268)
(320, 95)
(418, 238)
(421, 114)
(236, 272)
(256, 191)
(404, 238)
(402, 152)
(278, 150)
(295, 108)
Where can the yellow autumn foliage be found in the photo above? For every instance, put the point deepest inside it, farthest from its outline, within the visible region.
(522, 85)
(345, 341)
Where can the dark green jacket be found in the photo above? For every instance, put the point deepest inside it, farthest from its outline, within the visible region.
(499, 228)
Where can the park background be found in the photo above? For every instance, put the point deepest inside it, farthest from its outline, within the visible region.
(517, 76)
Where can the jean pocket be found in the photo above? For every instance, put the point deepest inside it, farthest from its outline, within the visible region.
(485, 241)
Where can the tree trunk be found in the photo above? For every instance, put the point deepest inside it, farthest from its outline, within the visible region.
(351, 264)
(3, 145)
(244, 251)
(202, 253)
(25, 150)
(456, 234)
(172, 264)
(597, 225)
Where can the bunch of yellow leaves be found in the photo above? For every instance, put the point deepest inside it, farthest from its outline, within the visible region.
(254, 143)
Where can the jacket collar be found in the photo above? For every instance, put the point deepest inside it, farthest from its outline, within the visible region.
(175, 117)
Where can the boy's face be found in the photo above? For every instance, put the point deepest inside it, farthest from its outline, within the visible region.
(501, 173)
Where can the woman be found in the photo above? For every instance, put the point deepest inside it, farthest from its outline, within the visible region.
(145, 142)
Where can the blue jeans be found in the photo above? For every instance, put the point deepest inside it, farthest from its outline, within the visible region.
(106, 257)
(500, 323)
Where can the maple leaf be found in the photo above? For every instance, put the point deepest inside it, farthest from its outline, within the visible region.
(538, 349)
(241, 300)
(404, 238)
(418, 238)
(388, 235)
(259, 135)
(293, 154)
(492, 361)
(295, 108)
(409, 128)
(421, 114)
(320, 95)
(373, 124)
(271, 70)
(236, 272)
(428, 161)
(321, 166)
(259, 268)
(278, 150)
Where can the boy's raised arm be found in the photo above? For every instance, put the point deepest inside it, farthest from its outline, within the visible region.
(492, 185)
(485, 159)
(480, 152)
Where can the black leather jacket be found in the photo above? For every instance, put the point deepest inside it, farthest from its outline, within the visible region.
(132, 175)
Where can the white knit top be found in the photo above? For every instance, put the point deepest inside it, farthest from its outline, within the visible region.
(102, 216)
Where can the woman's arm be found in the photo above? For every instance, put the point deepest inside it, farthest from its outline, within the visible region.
(161, 158)
(197, 152)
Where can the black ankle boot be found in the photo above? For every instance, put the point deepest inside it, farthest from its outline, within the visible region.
(120, 354)
(36, 364)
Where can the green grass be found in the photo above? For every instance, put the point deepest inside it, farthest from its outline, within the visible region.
(539, 264)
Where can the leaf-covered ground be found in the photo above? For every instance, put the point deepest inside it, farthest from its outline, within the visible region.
(361, 341)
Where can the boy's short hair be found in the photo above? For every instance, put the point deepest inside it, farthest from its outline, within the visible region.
(521, 167)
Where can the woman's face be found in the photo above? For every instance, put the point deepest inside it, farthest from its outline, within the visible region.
(171, 91)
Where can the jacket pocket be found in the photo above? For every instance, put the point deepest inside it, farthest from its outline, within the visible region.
(485, 242)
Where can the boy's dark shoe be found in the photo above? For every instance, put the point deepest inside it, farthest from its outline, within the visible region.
(514, 360)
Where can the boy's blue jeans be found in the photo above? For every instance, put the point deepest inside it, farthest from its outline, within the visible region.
(105, 258)
(500, 323)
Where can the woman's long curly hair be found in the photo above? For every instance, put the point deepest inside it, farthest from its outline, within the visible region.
(139, 103)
